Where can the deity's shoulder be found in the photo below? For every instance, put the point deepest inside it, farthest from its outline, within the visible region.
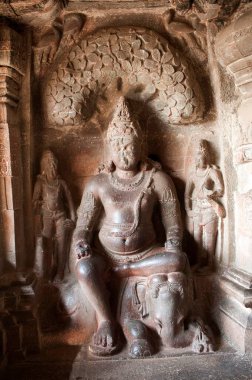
(96, 183)
(162, 179)
(214, 171)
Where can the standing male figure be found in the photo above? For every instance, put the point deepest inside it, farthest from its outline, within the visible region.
(203, 189)
(52, 201)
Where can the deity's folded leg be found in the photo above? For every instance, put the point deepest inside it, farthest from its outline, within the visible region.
(164, 262)
(90, 273)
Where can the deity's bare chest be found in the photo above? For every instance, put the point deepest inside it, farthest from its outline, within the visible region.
(125, 202)
(52, 195)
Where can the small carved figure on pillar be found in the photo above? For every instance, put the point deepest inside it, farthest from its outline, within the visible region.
(155, 293)
(52, 202)
(203, 189)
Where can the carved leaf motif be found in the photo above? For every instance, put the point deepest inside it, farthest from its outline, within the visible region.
(167, 79)
(113, 39)
(59, 96)
(140, 57)
(167, 56)
(176, 61)
(126, 66)
(92, 85)
(168, 69)
(72, 113)
(107, 60)
(72, 55)
(86, 92)
(171, 102)
(188, 110)
(58, 119)
(66, 102)
(92, 57)
(68, 91)
(158, 104)
(149, 64)
(83, 45)
(189, 93)
(170, 91)
(125, 46)
(174, 112)
(61, 74)
(181, 100)
(156, 55)
(98, 64)
(155, 76)
(63, 114)
(144, 77)
(150, 89)
(142, 54)
(163, 96)
(96, 73)
(86, 75)
(102, 40)
(136, 45)
(136, 64)
(91, 49)
(148, 38)
(76, 64)
(166, 111)
(115, 48)
(179, 88)
(103, 49)
(76, 88)
(122, 55)
(178, 76)
(161, 86)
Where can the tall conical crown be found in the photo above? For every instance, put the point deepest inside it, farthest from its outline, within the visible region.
(123, 125)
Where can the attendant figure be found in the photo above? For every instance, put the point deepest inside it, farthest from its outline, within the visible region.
(53, 205)
(204, 189)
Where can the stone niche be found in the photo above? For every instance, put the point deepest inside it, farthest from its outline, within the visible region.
(183, 70)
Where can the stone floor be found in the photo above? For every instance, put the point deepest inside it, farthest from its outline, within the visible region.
(73, 363)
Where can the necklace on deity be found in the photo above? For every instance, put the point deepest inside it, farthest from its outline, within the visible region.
(52, 183)
(126, 184)
(203, 173)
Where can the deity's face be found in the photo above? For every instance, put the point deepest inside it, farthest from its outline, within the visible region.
(201, 160)
(49, 165)
(125, 153)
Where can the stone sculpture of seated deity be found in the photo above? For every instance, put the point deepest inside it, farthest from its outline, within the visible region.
(122, 200)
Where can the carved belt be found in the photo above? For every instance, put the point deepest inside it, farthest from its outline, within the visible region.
(113, 229)
(53, 214)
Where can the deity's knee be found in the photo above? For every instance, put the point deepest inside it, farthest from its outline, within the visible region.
(85, 269)
(176, 262)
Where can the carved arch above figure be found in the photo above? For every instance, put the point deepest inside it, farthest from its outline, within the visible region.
(136, 61)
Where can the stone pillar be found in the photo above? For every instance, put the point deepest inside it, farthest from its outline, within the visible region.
(12, 64)
(234, 51)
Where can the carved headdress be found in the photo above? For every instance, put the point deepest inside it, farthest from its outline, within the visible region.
(123, 124)
(48, 158)
(203, 148)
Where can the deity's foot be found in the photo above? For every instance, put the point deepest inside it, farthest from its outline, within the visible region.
(104, 340)
(138, 337)
(140, 348)
(202, 341)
